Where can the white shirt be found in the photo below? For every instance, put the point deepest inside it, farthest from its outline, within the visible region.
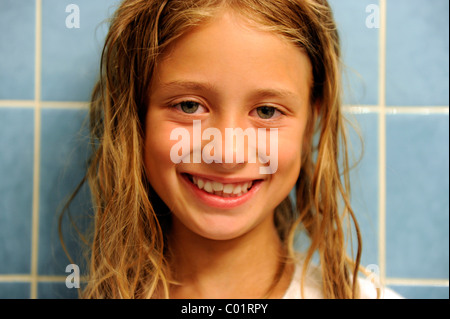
(313, 287)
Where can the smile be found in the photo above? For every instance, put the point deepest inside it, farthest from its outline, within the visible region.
(222, 194)
(220, 189)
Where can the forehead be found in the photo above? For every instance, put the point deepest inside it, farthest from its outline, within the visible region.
(229, 52)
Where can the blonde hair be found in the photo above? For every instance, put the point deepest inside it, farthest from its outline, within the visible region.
(129, 248)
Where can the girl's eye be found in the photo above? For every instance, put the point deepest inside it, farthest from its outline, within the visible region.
(189, 107)
(267, 112)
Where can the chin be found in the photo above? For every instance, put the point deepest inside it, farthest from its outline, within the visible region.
(220, 227)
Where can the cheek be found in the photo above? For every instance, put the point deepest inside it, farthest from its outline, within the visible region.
(289, 161)
(157, 153)
(291, 145)
(289, 158)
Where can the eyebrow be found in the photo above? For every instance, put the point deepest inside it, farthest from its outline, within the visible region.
(209, 87)
(270, 93)
(189, 85)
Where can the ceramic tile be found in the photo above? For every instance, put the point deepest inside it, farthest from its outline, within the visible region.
(70, 55)
(417, 201)
(17, 52)
(417, 64)
(64, 151)
(422, 292)
(359, 45)
(56, 290)
(364, 182)
(16, 188)
(14, 290)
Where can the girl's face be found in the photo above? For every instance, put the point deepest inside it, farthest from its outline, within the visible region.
(226, 74)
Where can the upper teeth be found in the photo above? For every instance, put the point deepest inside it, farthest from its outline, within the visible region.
(225, 190)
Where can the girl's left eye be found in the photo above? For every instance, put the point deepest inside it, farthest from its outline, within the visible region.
(267, 112)
(189, 107)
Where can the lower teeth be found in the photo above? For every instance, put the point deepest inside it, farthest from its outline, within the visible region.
(222, 194)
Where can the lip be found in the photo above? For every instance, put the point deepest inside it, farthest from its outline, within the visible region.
(224, 180)
(219, 201)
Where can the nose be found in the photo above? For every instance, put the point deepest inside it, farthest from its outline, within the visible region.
(231, 154)
(233, 146)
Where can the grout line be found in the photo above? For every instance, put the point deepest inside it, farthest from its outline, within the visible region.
(360, 109)
(52, 278)
(417, 282)
(64, 105)
(36, 164)
(17, 103)
(15, 278)
(48, 104)
(30, 278)
(382, 141)
(417, 110)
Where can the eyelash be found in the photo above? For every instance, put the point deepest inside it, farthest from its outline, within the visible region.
(276, 109)
(174, 105)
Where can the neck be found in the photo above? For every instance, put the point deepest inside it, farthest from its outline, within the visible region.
(243, 267)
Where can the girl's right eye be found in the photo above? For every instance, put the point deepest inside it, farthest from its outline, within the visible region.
(189, 107)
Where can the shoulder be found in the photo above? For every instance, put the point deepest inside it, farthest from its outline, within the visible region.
(313, 286)
(368, 290)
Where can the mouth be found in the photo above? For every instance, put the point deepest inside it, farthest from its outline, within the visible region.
(221, 189)
(223, 193)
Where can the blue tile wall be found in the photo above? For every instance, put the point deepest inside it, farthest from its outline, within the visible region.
(62, 168)
(416, 144)
(17, 49)
(16, 185)
(56, 290)
(70, 56)
(359, 46)
(417, 225)
(364, 182)
(14, 290)
(417, 63)
(425, 292)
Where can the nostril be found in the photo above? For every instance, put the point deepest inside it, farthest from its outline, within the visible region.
(230, 165)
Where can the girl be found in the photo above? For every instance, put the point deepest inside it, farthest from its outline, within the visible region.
(199, 226)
